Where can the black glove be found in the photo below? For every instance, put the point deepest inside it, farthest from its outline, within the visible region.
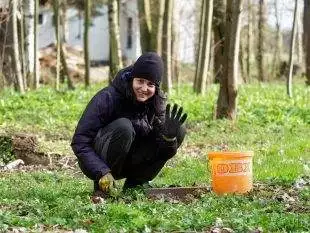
(173, 122)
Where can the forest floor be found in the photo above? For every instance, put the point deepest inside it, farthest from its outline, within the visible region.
(57, 197)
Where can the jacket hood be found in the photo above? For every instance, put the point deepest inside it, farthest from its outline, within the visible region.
(123, 85)
(122, 82)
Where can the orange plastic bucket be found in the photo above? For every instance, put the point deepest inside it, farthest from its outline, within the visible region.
(231, 171)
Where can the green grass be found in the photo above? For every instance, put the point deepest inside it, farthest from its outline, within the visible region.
(275, 127)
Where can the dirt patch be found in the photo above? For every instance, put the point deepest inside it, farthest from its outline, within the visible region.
(177, 193)
(289, 196)
(26, 148)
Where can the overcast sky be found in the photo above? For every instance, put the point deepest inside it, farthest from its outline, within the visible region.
(286, 11)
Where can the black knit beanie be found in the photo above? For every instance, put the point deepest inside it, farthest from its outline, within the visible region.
(149, 66)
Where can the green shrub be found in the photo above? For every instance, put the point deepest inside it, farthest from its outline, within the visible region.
(6, 153)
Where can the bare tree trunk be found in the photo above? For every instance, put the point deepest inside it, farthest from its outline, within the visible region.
(65, 66)
(200, 43)
(306, 38)
(57, 32)
(291, 62)
(227, 99)
(175, 63)
(6, 59)
(157, 13)
(175, 46)
(145, 25)
(277, 52)
(299, 44)
(166, 49)
(21, 38)
(65, 71)
(115, 47)
(242, 70)
(219, 37)
(64, 21)
(16, 56)
(29, 6)
(249, 40)
(261, 40)
(86, 41)
(204, 56)
(160, 26)
(36, 46)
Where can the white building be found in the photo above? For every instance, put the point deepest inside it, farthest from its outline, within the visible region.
(129, 31)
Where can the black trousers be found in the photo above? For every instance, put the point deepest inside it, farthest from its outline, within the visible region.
(129, 156)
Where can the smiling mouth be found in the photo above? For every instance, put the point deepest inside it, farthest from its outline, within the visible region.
(141, 94)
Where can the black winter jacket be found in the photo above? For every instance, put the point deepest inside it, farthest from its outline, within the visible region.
(113, 102)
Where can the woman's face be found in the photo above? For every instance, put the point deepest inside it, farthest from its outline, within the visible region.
(143, 89)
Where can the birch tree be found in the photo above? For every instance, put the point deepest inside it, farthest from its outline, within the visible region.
(6, 73)
(227, 99)
(261, 40)
(157, 19)
(16, 55)
(86, 41)
(115, 47)
(21, 29)
(59, 36)
(306, 38)
(36, 46)
(219, 16)
(292, 48)
(202, 66)
(151, 24)
(175, 46)
(145, 25)
(166, 47)
(299, 43)
(277, 51)
(249, 39)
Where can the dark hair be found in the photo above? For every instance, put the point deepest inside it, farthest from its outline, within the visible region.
(159, 100)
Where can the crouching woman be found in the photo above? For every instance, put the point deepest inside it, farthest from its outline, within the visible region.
(126, 130)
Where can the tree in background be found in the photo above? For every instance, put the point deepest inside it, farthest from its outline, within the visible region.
(6, 71)
(278, 40)
(166, 46)
(16, 55)
(64, 20)
(157, 19)
(219, 17)
(249, 40)
(21, 35)
(115, 47)
(227, 99)
(86, 41)
(89, 8)
(175, 63)
(299, 43)
(59, 36)
(261, 40)
(306, 38)
(145, 25)
(202, 66)
(151, 24)
(292, 49)
(36, 46)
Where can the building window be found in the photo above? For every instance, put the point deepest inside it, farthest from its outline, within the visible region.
(40, 19)
(129, 33)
